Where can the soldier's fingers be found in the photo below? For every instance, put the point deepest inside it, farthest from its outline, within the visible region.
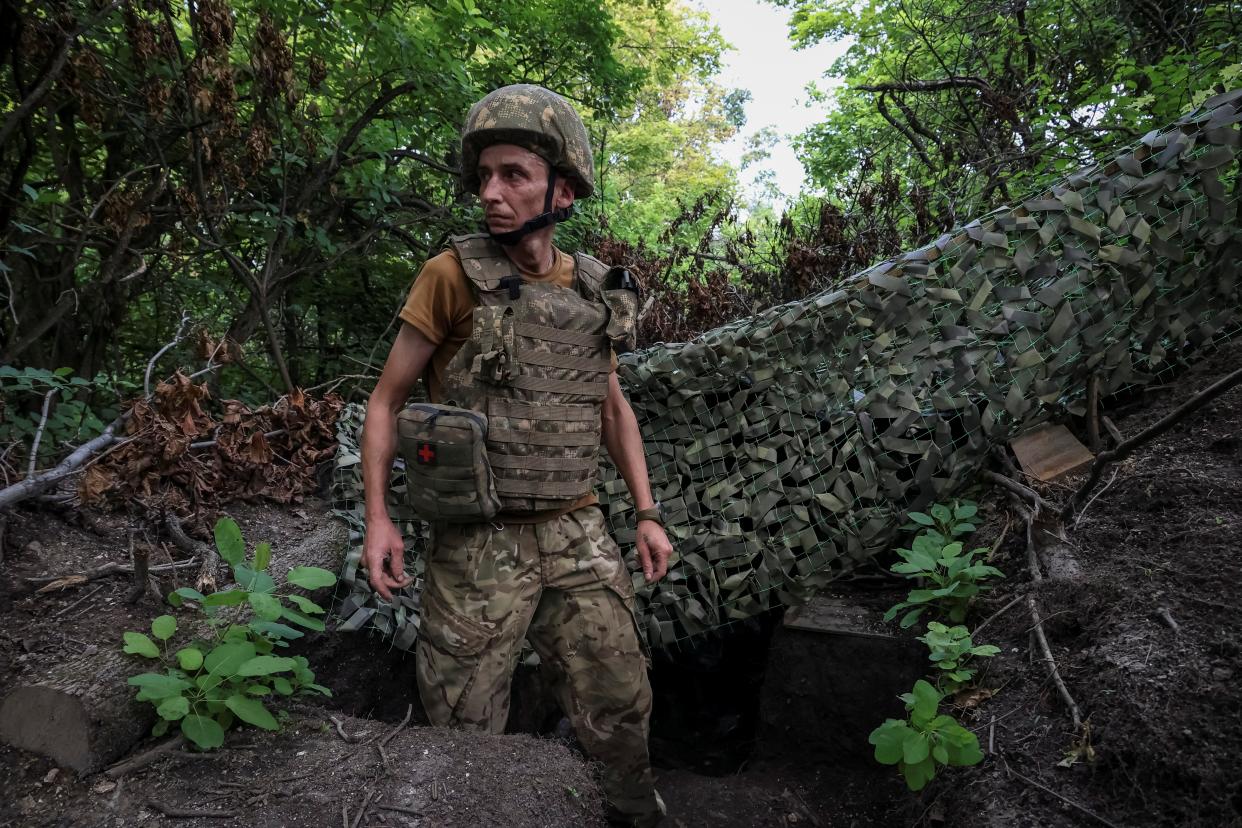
(662, 562)
(644, 558)
(395, 563)
(377, 578)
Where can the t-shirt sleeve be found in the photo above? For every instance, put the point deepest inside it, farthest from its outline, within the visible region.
(439, 299)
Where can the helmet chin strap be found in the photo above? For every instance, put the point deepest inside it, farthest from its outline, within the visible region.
(547, 217)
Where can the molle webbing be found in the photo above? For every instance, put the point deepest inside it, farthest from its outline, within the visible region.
(537, 364)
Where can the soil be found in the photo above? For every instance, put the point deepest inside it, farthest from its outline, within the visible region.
(1143, 624)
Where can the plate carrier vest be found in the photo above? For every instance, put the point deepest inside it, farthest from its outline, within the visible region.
(537, 365)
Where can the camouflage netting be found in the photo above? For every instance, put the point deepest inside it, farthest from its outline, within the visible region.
(788, 446)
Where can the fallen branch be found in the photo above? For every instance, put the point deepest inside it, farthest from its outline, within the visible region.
(366, 802)
(1023, 491)
(1038, 629)
(205, 581)
(54, 582)
(997, 614)
(409, 711)
(183, 813)
(145, 758)
(1127, 447)
(340, 731)
(37, 484)
(1067, 801)
(68, 607)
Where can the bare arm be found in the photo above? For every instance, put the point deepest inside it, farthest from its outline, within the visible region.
(383, 549)
(625, 446)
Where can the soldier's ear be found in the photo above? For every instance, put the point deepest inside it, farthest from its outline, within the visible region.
(564, 195)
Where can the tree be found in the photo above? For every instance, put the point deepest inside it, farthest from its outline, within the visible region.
(974, 104)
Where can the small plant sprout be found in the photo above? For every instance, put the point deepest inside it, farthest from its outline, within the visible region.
(924, 740)
(951, 651)
(224, 674)
(949, 577)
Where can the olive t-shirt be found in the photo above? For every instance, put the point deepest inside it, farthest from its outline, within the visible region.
(441, 306)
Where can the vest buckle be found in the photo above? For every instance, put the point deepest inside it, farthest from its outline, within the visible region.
(514, 284)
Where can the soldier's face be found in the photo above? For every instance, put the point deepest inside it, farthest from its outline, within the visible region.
(512, 184)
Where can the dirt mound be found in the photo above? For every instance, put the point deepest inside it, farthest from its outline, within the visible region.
(308, 775)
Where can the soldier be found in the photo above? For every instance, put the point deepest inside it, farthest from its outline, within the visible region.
(505, 325)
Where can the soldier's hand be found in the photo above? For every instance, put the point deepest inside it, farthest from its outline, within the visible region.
(654, 550)
(383, 556)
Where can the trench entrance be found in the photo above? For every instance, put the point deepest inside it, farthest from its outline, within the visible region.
(764, 723)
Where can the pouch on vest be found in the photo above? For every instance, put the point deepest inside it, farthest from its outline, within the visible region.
(493, 331)
(448, 477)
(620, 294)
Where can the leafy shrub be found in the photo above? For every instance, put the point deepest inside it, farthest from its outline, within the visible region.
(223, 676)
(70, 419)
(935, 557)
(951, 651)
(924, 740)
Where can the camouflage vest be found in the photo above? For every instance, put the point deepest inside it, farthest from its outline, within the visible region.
(536, 365)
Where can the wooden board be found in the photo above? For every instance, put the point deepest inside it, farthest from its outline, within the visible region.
(1050, 452)
(835, 615)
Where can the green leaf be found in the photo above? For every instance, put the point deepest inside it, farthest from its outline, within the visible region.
(262, 556)
(318, 688)
(228, 598)
(257, 690)
(202, 731)
(163, 627)
(914, 748)
(265, 606)
(921, 519)
(190, 658)
(969, 753)
(941, 754)
(173, 708)
(917, 776)
(926, 700)
(303, 620)
(252, 711)
(229, 541)
(253, 580)
(224, 659)
(282, 686)
(310, 577)
(184, 594)
(965, 510)
(137, 643)
(265, 665)
(888, 739)
(161, 727)
(306, 605)
(985, 650)
(153, 686)
(910, 618)
(940, 513)
(275, 630)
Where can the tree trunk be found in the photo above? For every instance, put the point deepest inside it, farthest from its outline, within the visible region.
(82, 714)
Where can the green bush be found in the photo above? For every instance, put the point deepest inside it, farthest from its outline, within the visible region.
(925, 739)
(951, 651)
(934, 558)
(224, 676)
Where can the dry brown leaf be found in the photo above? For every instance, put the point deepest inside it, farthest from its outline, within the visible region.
(61, 583)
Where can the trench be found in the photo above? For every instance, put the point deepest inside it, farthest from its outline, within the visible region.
(764, 722)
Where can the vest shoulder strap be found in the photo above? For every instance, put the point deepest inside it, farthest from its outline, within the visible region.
(590, 272)
(483, 261)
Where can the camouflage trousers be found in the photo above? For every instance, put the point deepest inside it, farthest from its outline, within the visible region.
(562, 585)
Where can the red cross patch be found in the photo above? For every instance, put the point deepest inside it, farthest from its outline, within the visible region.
(426, 454)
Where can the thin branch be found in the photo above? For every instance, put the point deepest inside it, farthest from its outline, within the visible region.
(1126, 448)
(38, 437)
(956, 82)
(145, 758)
(181, 330)
(1038, 629)
(1069, 802)
(40, 482)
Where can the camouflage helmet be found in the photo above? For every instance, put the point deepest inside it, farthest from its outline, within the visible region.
(535, 118)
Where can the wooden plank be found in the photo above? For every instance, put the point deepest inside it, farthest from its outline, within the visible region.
(835, 615)
(1050, 453)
